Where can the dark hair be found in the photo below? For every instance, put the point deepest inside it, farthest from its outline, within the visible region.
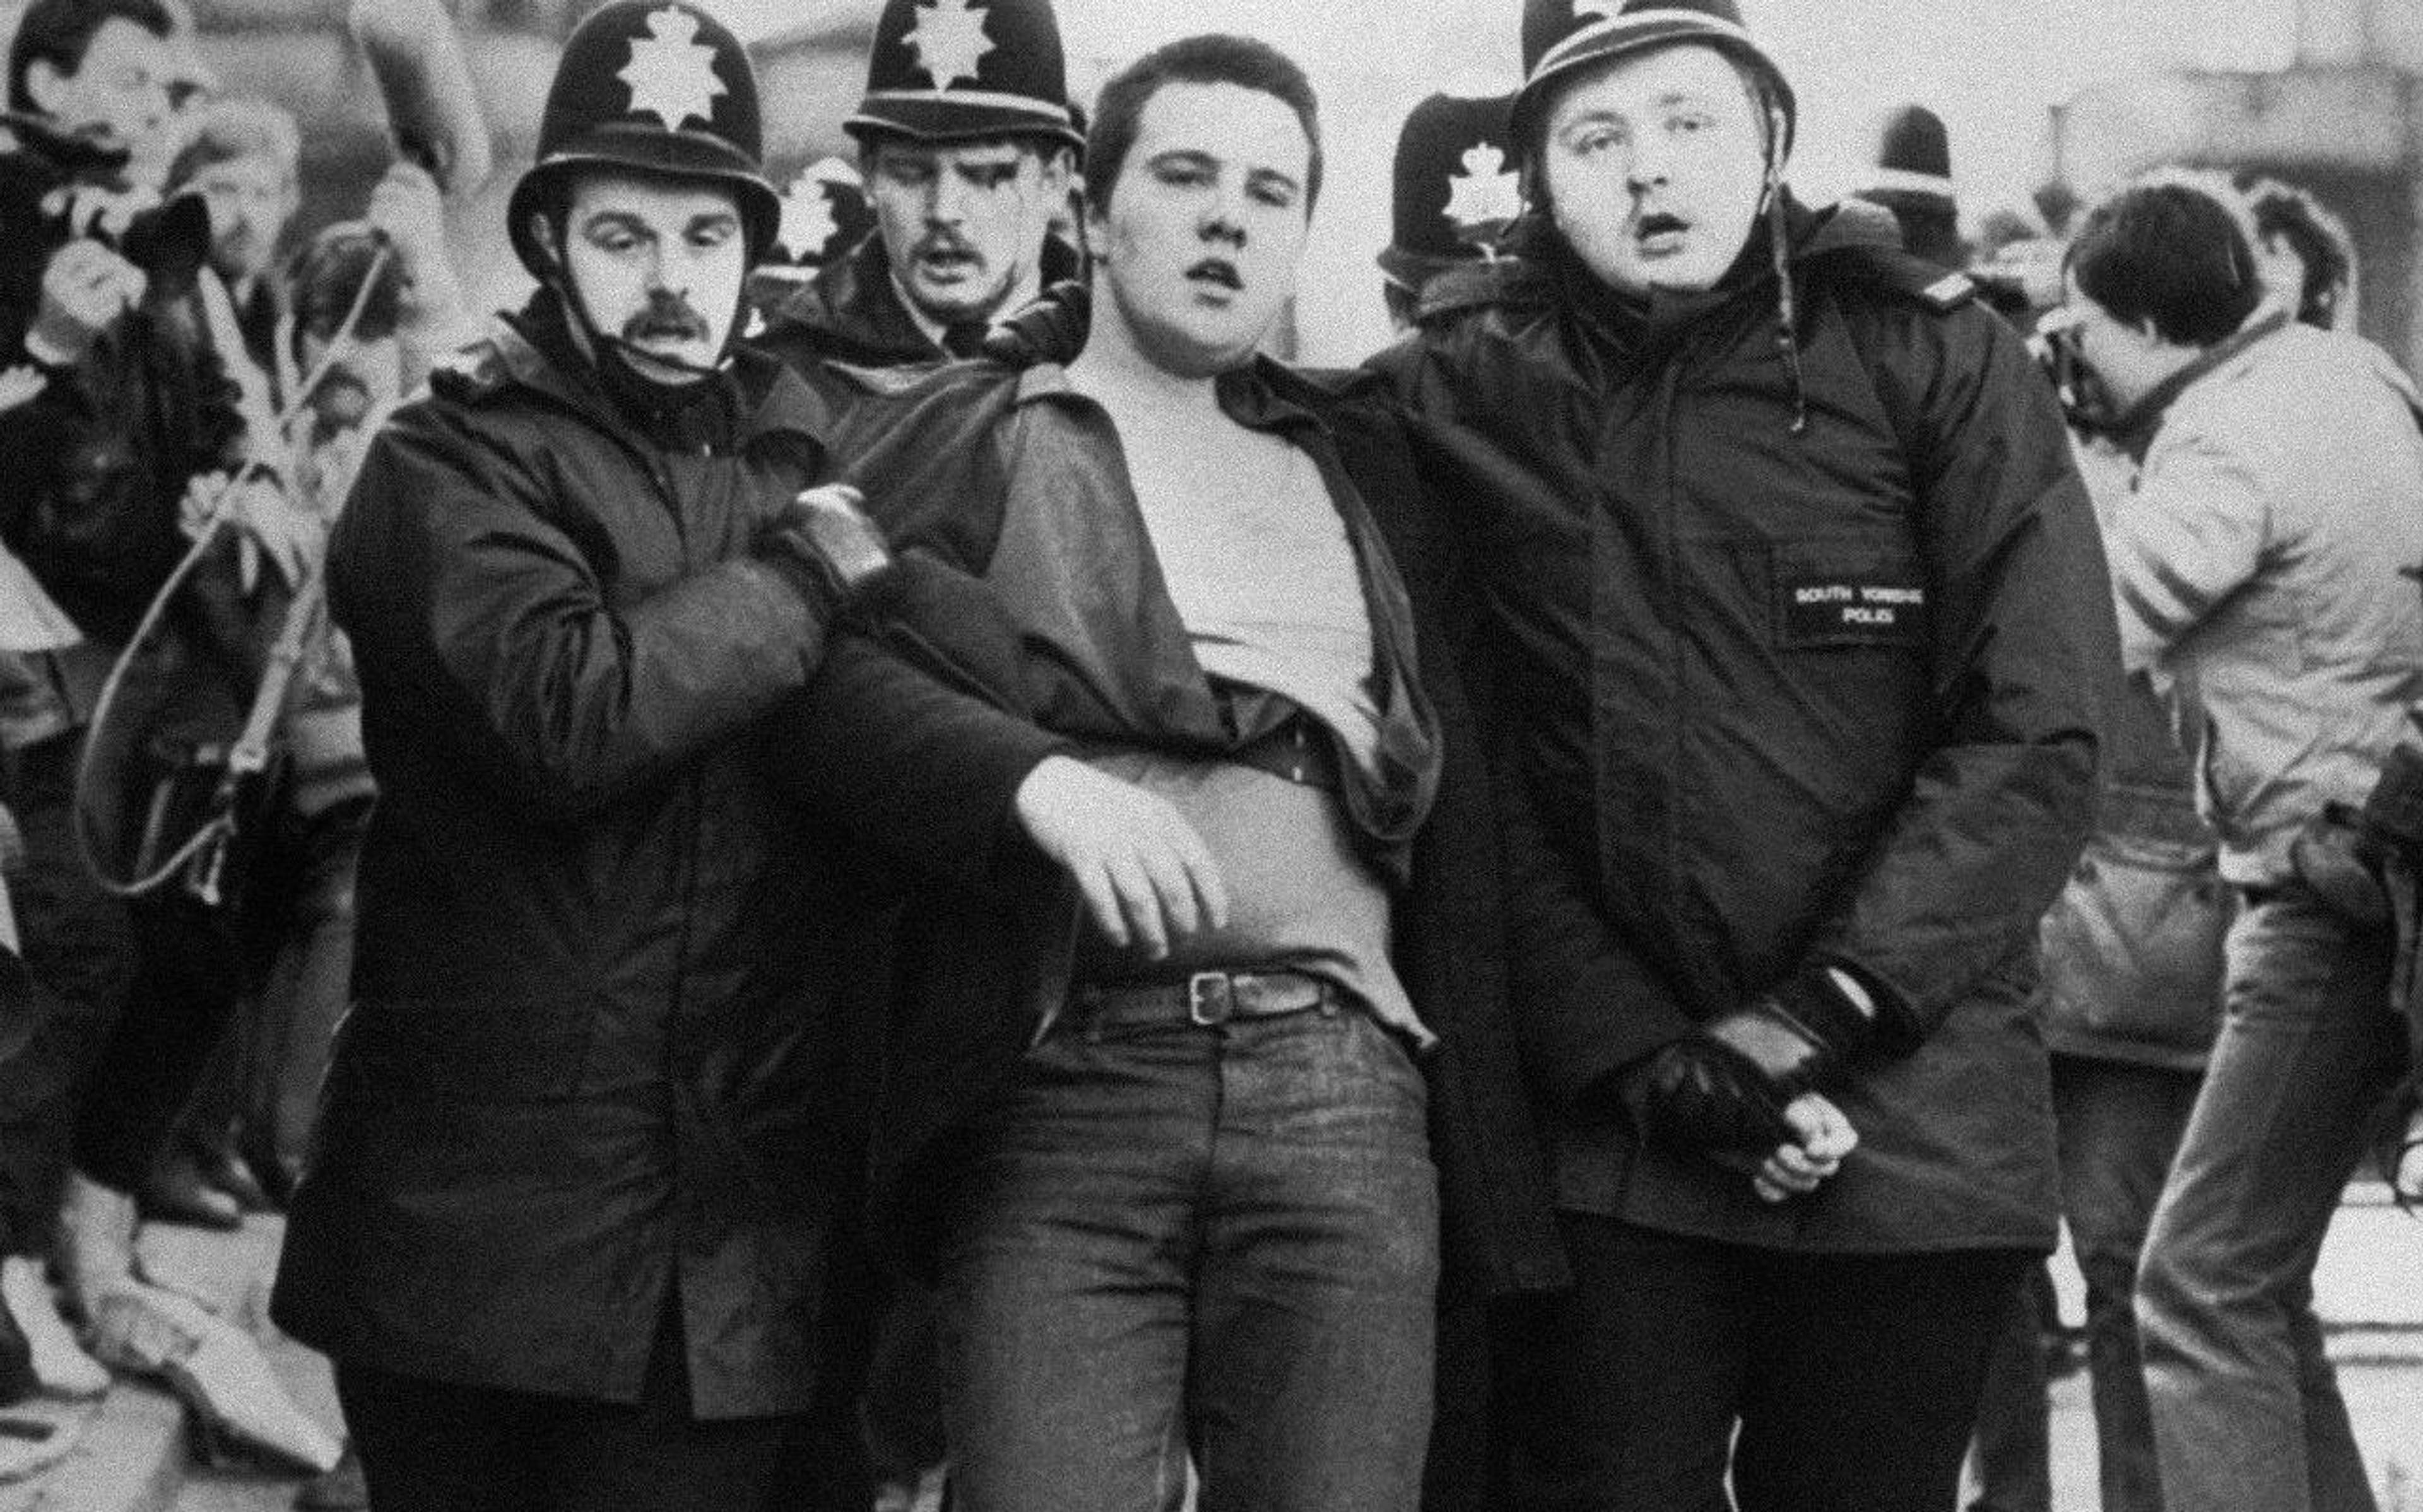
(2172, 254)
(1215, 58)
(57, 32)
(2292, 215)
(326, 277)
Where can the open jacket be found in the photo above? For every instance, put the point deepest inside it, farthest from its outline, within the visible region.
(939, 455)
(590, 1072)
(1794, 663)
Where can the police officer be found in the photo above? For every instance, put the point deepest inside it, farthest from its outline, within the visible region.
(1456, 195)
(968, 146)
(1912, 178)
(565, 1223)
(1792, 605)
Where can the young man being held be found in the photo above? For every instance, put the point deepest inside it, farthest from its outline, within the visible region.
(1173, 1167)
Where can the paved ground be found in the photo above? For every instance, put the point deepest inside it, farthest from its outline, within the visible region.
(129, 1452)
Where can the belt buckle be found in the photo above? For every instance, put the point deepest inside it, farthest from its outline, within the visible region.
(1210, 999)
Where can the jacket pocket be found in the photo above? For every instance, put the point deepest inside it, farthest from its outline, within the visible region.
(471, 1050)
(2134, 946)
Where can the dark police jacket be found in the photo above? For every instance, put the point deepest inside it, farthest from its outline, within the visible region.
(588, 1073)
(1774, 698)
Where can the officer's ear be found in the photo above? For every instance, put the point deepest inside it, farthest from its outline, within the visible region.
(545, 233)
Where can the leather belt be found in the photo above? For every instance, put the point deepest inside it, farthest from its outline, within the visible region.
(1204, 998)
(1296, 750)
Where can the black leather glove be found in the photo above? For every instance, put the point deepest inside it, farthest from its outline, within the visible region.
(826, 544)
(1799, 1034)
(1701, 1096)
(1050, 328)
(1722, 1092)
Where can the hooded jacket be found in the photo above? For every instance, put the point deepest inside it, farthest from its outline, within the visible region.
(1795, 663)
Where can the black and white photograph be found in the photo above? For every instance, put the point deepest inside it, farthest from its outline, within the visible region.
(1230, 756)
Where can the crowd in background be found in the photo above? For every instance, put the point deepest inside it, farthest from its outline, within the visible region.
(1630, 845)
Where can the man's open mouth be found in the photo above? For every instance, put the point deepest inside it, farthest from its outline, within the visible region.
(1661, 229)
(948, 262)
(1219, 272)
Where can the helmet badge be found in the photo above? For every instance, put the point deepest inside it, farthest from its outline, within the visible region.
(950, 41)
(670, 75)
(809, 224)
(1484, 198)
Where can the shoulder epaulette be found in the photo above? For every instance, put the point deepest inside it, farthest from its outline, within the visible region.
(1915, 278)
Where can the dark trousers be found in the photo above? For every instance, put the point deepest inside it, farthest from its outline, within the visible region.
(2011, 1459)
(433, 1446)
(188, 980)
(79, 945)
(1853, 1380)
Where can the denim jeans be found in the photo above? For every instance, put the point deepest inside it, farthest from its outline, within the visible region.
(2246, 1412)
(78, 941)
(2120, 1125)
(1219, 1239)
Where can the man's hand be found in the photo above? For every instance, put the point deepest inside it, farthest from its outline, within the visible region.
(826, 543)
(1147, 877)
(1050, 328)
(1823, 1137)
(20, 384)
(85, 288)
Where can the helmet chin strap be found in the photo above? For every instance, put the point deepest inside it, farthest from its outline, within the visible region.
(1787, 300)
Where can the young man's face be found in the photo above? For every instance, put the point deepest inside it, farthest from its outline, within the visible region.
(964, 223)
(118, 93)
(2128, 359)
(659, 265)
(1203, 230)
(1656, 167)
(251, 200)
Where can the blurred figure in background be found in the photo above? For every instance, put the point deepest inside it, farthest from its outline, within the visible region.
(2258, 564)
(2307, 258)
(1912, 178)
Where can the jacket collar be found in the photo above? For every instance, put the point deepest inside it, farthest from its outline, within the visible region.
(1541, 274)
(777, 406)
(854, 301)
(2136, 429)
